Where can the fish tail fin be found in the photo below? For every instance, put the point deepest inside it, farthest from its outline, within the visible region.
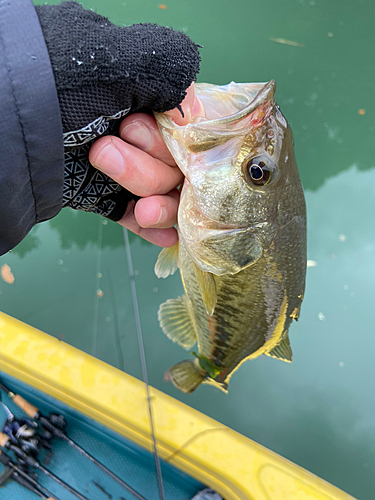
(186, 375)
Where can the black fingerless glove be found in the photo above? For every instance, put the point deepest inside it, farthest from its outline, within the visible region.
(104, 72)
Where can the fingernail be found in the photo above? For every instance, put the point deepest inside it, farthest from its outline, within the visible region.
(110, 160)
(137, 134)
(162, 216)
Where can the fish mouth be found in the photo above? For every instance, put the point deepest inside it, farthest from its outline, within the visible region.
(265, 94)
(205, 134)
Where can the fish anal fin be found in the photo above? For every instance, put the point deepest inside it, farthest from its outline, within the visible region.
(282, 351)
(207, 287)
(186, 375)
(223, 386)
(167, 262)
(176, 322)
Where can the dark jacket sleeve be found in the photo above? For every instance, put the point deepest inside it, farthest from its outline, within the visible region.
(31, 137)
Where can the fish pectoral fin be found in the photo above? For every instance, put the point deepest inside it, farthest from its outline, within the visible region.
(167, 262)
(207, 287)
(186, 375)
(176, 322)
(282, 351)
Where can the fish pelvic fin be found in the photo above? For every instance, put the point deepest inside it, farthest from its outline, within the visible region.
(282, 351)
(207, 287)
(186, 375)
(176, 321)
(167, 262)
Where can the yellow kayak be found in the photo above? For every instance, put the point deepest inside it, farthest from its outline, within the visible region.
(196, 450)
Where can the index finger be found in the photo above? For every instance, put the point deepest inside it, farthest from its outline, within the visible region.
(132, 168)
(141, 130)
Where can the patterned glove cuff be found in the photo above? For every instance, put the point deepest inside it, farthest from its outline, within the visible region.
(85, 187)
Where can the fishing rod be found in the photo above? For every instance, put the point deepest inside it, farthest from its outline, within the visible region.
(21, 477)
(22, 432)
(55, 424)
(30, 461)
(23, 482)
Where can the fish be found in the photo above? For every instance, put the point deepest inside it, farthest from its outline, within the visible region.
(242, 234)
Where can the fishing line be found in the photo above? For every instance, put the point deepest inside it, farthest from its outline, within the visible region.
(98, 290)
(143, 362)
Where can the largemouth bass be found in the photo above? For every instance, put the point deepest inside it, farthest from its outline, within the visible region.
(242, 234)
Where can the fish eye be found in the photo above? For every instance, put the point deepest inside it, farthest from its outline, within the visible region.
(259, 170)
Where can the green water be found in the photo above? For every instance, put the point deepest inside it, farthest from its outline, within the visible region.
(318, 411)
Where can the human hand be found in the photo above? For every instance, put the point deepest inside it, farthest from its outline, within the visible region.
(141, 163)
(103, 73)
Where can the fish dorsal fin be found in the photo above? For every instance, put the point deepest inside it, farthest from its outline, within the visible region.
(176, 322)
(282, 351)
(167, 262)
(207, 287)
